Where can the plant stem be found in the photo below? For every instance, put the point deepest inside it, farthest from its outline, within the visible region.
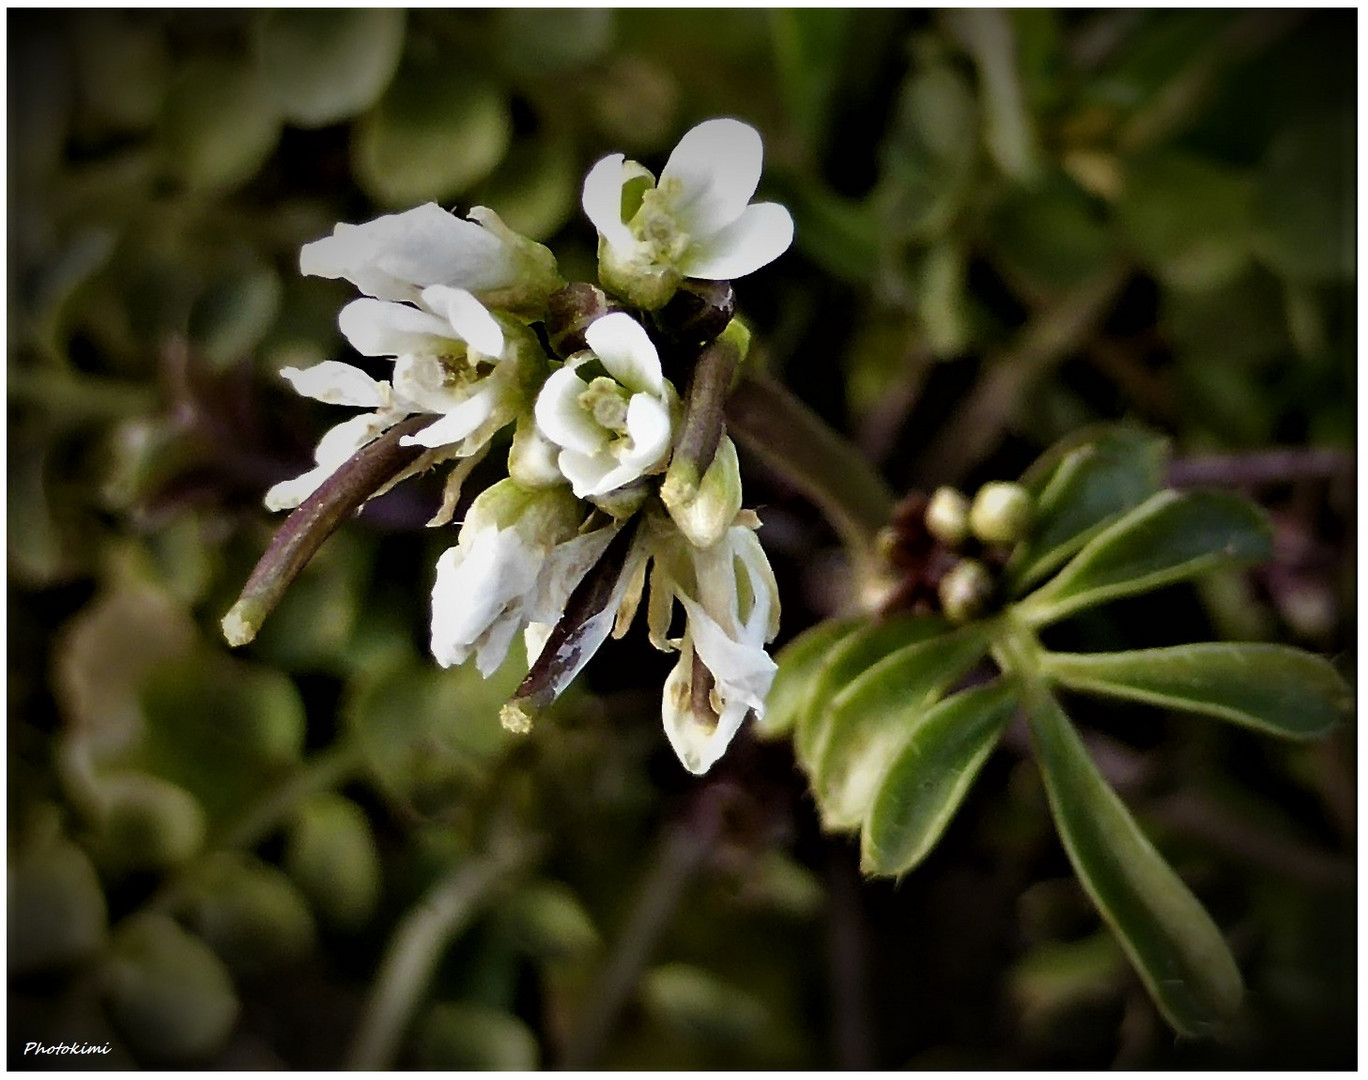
(417, 947)
(324, 771)
(318, 516)
(792, 440)
(1261, 467)
(681, 852)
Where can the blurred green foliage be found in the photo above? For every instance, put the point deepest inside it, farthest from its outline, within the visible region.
(1009, 225)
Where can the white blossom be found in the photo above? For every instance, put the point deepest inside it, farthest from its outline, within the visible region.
(696, 222)
(518, 557)
(731, 602)
(612, 427)
(453, 360)
(397, 256)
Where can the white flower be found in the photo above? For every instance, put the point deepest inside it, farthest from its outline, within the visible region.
(696, 222)
(518, 557)
(731, 601)
(453, 359)
(449, 360)
(613, 427)
(397, 256)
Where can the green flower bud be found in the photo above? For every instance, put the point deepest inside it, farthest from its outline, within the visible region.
(965, 591)
(167, 992)
(947, 517)
(1001, 513)
(704, 509)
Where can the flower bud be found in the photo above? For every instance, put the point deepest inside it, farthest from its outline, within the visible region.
(703, 509)
(947, 517)
(965, 591)
(698, 312)
(570, 311)
(1001, 513)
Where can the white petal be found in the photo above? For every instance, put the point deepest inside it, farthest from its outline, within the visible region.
(457, 423)
(337, 445)
(382, 328)
(758, 237)
(338, 384)
(648, 423)
(560, 416)
(477, 600)
(627, 352)
(602, 200)
(718, 166)
(589, 474)
(562, 571)
(743, 670)
(467, 316)
(395, 256)
(697, 742)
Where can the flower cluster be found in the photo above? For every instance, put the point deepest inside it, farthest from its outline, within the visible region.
(615, 478)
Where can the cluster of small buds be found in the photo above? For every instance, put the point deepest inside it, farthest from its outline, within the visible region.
(950, 550)
(613, 393)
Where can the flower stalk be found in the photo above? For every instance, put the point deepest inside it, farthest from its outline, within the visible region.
(304, 531)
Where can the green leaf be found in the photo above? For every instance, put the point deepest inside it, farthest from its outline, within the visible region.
(809, 45)
(1051, 236)
(800, 662)
(1271, 688)
(548, 921)
(1080, 485)
(224, 729)
(427, 732)
(56, 912)
(232, 314)
(167, 992)
(438, 131)
(537, 42)
(930, 775)
(700, 1007)
(330, 853)
(321, 65)
(535, 188)
(868, 719)
(219, 124)
(989, 37)
(859, 651)
(249, 912)
(1168, 935)
(1168, 538)
(1189, 218)
(466, 1036)
(1305, 200)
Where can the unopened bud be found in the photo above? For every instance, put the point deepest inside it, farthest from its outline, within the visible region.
(698, 312)
(965, 591)
(570, 311)
(704, 509)
(1001, 513)
(947, 517)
